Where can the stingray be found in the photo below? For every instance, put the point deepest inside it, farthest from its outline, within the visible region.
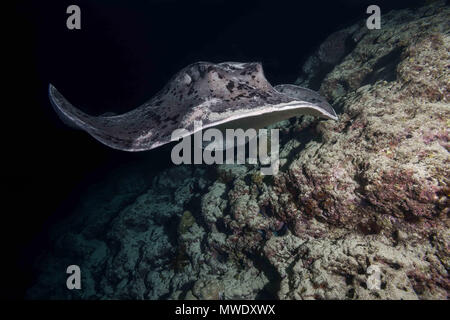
(224, 95)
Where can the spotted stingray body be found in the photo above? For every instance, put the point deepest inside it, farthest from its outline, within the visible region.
(229, 94)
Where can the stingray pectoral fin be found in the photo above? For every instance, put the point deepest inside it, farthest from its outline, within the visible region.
(59, 104)
(70, 115)
(228, 94)
(122, 132)
(308, 95)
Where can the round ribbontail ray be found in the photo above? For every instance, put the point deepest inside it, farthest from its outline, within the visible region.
(225, 95)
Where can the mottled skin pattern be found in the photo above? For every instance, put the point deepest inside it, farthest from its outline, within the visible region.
(216, 94)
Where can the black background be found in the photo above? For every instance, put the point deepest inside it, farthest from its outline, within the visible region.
(124, 53)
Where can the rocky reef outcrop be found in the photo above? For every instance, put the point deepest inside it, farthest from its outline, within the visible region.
(359, 210)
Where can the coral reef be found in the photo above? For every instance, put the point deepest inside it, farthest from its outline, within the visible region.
(368, 192)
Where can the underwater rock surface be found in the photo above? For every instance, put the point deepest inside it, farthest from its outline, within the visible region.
(370, 190)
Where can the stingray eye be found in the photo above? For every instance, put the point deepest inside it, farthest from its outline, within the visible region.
(187, 79)
(198, 71)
